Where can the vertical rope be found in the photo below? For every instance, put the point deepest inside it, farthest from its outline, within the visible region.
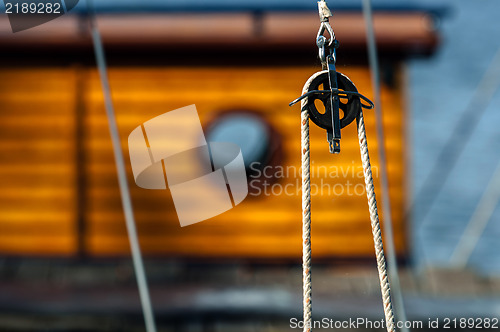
(375, 223)
(384, 182)
(306, 221)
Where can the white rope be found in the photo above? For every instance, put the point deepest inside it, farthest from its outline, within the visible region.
(306, 209)
(306, 213)
(377, 234)
(306, 216)
(384, 182)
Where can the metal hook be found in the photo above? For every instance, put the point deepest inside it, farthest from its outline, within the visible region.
(325, 26)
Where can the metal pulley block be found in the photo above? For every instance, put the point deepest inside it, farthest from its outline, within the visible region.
(341, 99)
(348, 105)
(341, 104)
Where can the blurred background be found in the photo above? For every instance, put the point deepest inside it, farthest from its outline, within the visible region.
(65, 260)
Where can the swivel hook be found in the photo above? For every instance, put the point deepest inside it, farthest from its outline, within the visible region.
(336, 87)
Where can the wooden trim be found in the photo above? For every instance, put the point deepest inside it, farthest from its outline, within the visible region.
(404, 33)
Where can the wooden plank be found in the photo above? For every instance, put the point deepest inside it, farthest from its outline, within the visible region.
(341, 222)
(38, 166)
(224, 246)
(37, 245)
(37, 173)
(407, 32)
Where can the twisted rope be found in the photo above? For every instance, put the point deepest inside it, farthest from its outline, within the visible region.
(306, 217)
(377, 234)
(306, 220)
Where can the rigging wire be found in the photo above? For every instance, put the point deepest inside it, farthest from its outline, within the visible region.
(122, 175)
(342, 96)
(384, 183)
(452, 150)
(478, 222)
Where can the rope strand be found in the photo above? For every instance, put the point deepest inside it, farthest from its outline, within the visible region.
(306, 190)
(306, 218)
(306, 221)
(375, 223)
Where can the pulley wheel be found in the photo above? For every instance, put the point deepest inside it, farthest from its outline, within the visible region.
(350, 105)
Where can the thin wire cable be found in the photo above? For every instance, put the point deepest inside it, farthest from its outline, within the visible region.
(122, 177)
(375, 223)
(478, 222)
(306, 214)
(342, 94)
(454, 146)
(384, 182)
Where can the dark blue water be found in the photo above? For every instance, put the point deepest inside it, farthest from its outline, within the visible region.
(440, 89)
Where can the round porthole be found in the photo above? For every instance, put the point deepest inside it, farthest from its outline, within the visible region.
(260, 144)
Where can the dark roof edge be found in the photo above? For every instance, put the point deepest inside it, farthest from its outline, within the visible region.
(104, 7)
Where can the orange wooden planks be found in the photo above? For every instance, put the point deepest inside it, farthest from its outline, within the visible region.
(38, 165)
